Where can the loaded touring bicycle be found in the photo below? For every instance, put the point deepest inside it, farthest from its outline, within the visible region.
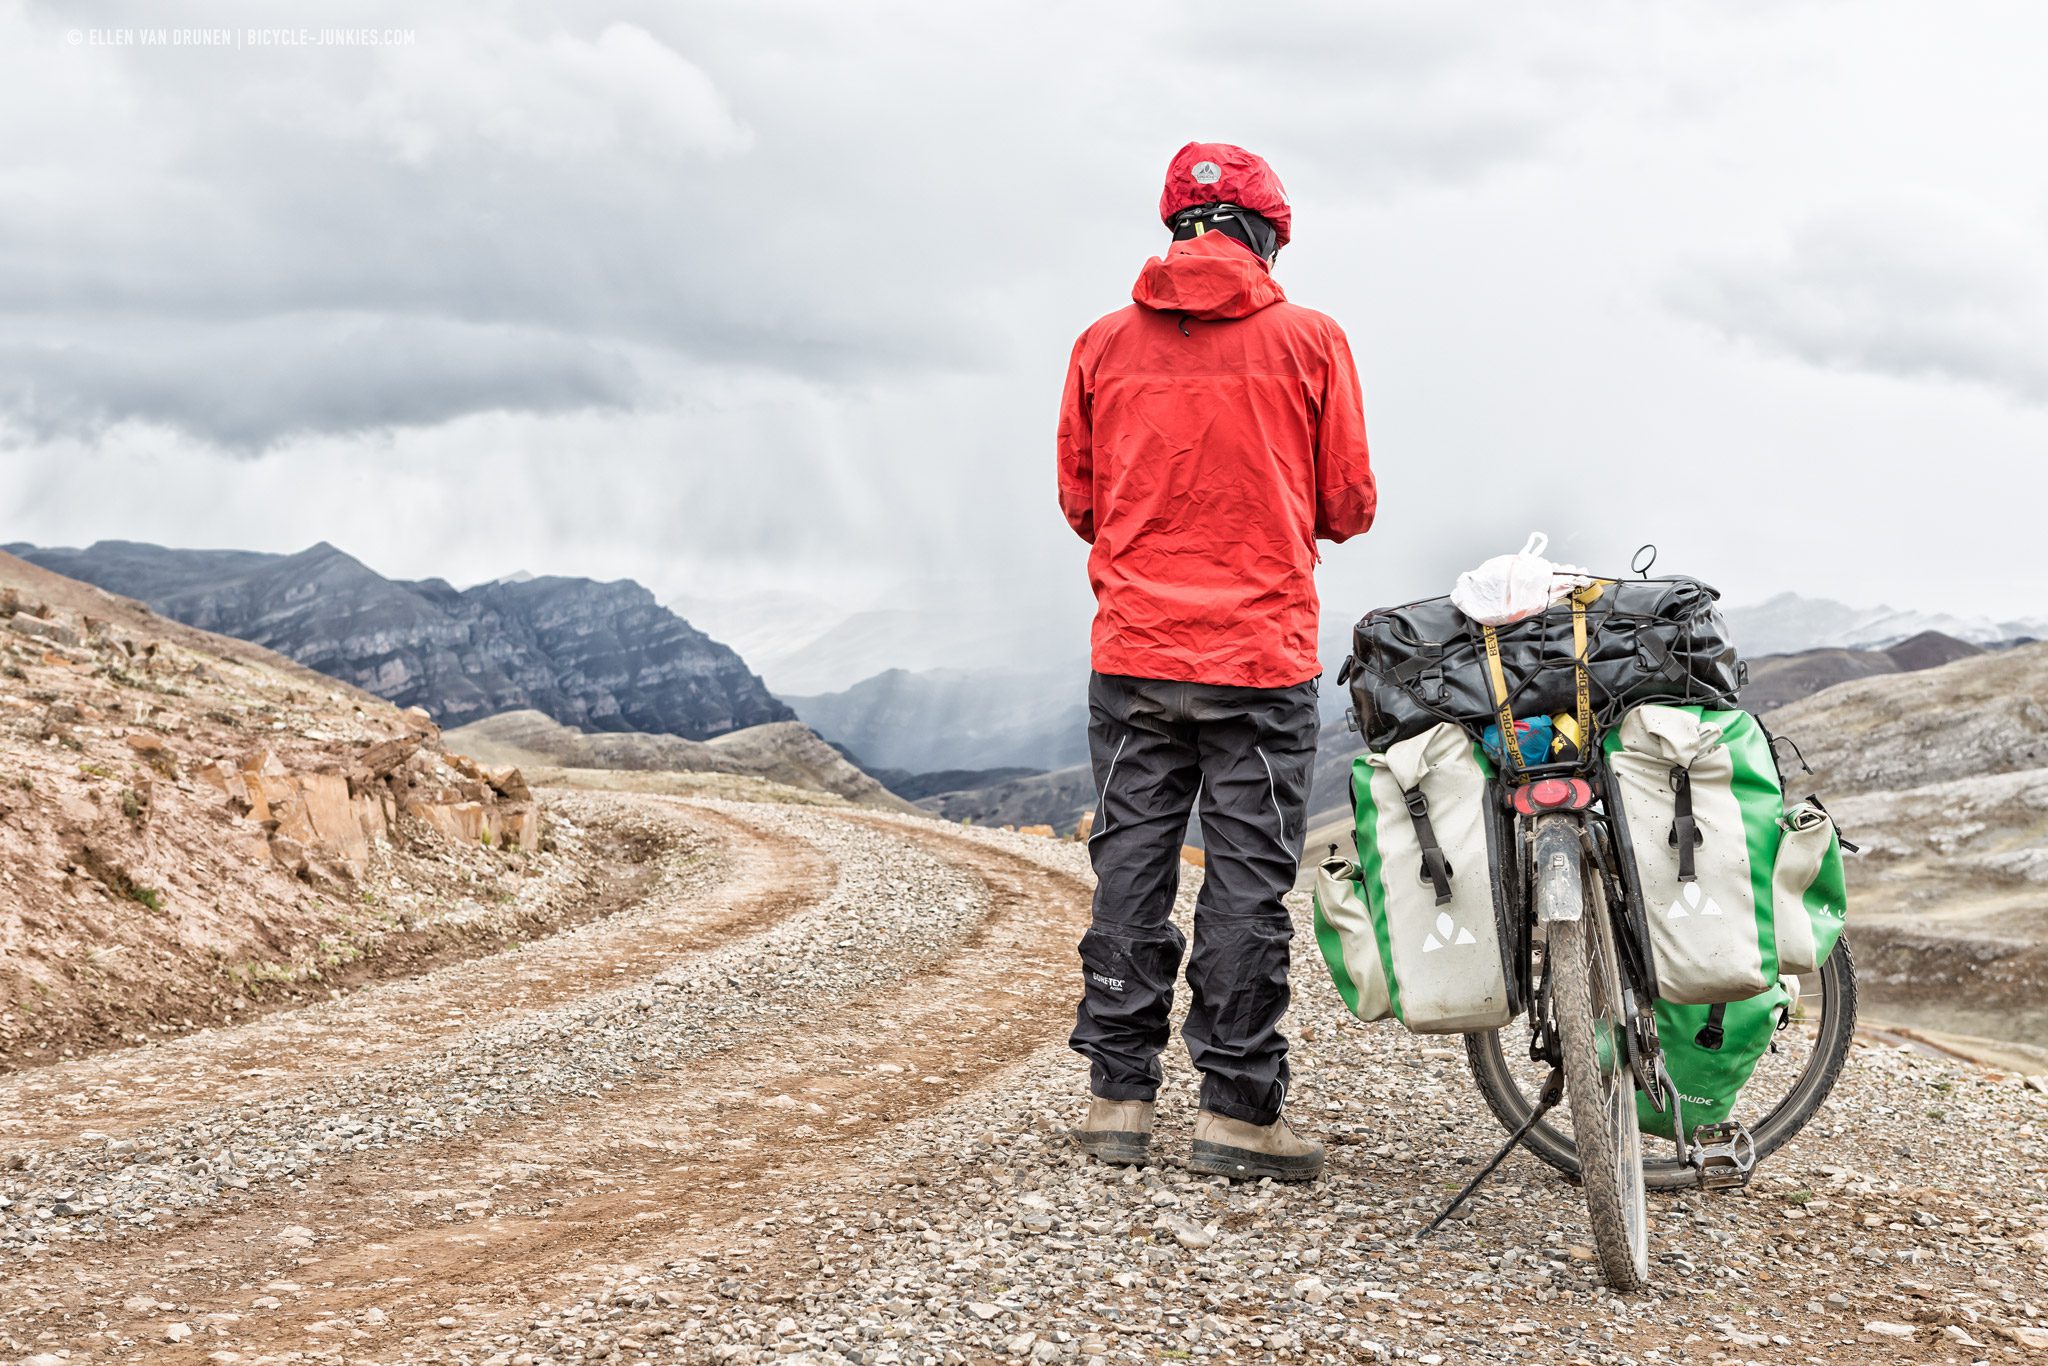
(1568, 821)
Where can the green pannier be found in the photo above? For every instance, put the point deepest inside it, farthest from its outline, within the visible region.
(1419, 927)
(1710, 1052)
(1736, 889)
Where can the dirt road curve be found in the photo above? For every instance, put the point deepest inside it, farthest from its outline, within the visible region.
(801, 1102)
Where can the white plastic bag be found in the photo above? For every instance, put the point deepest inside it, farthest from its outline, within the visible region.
(1510, 587)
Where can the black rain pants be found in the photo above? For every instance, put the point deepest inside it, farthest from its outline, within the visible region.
(1248, 752)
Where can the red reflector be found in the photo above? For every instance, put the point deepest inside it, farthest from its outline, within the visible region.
(1554, 794)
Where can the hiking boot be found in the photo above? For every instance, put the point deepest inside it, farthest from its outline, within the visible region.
(1118, 1132)
(1246, 1152)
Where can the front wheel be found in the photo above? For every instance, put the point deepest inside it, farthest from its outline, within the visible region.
(1592, 1026)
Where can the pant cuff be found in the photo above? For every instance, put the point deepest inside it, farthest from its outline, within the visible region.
(1125, 1090)
(1249, 1114)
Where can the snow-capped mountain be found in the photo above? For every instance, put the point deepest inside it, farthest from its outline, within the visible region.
(1789, 622)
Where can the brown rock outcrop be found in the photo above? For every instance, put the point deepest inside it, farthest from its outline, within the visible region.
(187, 821)
(341, 812)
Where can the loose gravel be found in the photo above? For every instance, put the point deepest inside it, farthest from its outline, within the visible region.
(1910, 1219)
(885, 910)
(1909, 1222)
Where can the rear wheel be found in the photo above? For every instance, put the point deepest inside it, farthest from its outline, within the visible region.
(1599, 1088)
(1790, 1083)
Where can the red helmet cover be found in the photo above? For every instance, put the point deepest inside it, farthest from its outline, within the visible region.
(1218, 173)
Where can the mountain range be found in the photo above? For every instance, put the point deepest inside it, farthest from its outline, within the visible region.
(1790, 622)
(593, 656)
(1059, 796)
(785, 752)
(1777, 680)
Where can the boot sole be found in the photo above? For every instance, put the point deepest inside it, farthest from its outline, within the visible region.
(1242, 1164)
(1119, 1148)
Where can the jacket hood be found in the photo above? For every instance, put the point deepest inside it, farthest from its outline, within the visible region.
(1211, 276)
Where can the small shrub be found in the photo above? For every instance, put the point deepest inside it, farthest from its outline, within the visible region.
(148, 896)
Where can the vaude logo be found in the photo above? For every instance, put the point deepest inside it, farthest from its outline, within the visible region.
(1448, 932)
(1113, 983)
(1696, 1100)
(1689, 902)
(1207, 173)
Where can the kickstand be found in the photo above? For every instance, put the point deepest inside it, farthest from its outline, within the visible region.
(1552, 1093)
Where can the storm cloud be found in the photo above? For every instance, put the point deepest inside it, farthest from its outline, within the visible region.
(776, 297)
(1912, 286)
(541, 198)
(245, 384)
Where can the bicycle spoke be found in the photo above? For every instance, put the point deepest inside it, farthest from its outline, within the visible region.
(1788, 1085)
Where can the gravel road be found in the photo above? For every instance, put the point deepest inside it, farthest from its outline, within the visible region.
(804, 1101)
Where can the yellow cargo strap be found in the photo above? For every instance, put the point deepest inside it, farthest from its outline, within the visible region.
(1582, 599)
(1510, 746)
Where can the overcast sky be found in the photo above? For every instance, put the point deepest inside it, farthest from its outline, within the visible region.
(773, 296)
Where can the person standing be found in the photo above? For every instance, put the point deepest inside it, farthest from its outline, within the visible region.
(1210, 433)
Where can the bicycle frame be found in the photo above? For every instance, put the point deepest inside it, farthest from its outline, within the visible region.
(1585, 824)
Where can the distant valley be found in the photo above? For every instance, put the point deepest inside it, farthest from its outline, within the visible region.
(957, 718)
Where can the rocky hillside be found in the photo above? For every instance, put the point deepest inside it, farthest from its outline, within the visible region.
(1942, 777)
(1779, 680)
(784, 752)
(1976, 717)
(957, 718)
(595, 656)
(214, 825)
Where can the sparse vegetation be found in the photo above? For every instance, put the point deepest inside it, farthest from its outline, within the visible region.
(122, 678)
(148, 896)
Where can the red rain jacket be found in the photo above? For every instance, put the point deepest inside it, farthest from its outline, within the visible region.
(1210, 433)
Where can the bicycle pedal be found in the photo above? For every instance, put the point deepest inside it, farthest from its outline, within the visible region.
(1723, 1154)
